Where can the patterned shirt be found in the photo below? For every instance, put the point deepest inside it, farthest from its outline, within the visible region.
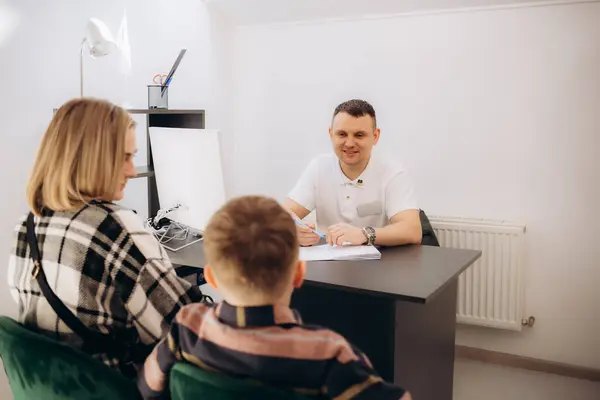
(106, 268)
(269, 344)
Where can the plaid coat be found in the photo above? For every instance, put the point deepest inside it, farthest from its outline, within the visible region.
(106, 268)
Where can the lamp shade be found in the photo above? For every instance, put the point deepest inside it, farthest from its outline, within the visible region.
(99, 39)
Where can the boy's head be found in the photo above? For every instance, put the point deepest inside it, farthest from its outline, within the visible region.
(251, 247)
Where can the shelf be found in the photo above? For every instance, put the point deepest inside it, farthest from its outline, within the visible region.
(162, 111)
(144, 172)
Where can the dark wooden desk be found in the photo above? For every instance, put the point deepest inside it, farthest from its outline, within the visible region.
(400, 310)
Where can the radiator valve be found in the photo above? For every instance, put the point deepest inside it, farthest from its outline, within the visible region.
(528, 322)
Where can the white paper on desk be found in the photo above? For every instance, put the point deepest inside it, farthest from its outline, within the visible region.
(326, 252)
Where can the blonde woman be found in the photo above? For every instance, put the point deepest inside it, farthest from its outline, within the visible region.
(95, 257)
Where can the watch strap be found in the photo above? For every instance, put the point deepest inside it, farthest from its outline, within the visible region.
(369, 232)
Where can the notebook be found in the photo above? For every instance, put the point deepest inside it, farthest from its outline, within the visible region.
(326, 252)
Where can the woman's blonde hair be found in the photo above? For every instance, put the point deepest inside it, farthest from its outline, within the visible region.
(81, 156)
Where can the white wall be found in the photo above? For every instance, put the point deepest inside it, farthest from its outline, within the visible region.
(40, 70)
(244, 12)
(495, 113)
(222, 89)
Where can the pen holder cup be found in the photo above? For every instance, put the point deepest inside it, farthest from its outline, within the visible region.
(158, 96)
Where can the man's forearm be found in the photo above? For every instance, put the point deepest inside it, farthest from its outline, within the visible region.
(292, 206)
(399, 233)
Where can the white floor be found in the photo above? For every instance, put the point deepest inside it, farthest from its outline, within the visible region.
(478, 381)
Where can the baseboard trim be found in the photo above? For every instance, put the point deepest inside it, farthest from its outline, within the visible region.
(532, 364)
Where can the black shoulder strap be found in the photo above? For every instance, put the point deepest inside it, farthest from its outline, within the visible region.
(93, 341)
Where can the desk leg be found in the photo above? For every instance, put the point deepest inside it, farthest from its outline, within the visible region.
(366, 321)
(424, 345)
(410, 344)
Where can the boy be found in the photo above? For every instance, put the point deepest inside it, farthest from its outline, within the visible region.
(251, 246)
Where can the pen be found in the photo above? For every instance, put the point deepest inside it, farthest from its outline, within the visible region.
(297, 221)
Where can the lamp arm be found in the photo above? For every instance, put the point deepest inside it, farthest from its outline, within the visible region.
(81, 68)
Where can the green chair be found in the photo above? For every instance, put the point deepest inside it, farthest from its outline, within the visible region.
(41, 368)
(187, 381)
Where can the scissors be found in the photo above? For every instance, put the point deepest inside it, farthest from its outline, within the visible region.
(159, 79)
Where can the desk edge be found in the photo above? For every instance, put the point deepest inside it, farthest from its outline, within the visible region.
(391, 296)
(433, 295)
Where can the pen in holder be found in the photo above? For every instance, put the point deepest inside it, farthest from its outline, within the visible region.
(158, 96)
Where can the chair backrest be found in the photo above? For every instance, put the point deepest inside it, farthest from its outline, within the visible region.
(43, 369)
(190, 382)
(429, 237)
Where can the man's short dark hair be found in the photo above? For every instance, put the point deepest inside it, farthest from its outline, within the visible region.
(356, 108)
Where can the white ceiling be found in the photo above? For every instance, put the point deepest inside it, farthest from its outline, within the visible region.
(251, 12)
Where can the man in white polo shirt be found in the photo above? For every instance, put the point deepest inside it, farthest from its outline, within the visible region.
(359, 199)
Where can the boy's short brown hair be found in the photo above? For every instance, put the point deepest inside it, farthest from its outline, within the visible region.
(251, 244)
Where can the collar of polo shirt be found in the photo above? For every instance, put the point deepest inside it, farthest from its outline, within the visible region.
(363, 177)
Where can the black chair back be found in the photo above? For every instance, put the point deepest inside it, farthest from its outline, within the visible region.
(429, 238)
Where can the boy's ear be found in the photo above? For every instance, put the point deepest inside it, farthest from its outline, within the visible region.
(299, 274)
(209, 276)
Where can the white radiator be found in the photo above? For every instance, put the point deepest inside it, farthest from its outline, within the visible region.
(490, 292)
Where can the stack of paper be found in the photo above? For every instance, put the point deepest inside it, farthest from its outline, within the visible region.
(342, 253)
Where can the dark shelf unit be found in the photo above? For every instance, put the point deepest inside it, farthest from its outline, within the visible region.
(186, 119)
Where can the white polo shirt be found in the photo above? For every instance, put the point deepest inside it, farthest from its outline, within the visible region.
(380, 192)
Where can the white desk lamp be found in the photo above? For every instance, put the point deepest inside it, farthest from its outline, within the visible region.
(99, 42)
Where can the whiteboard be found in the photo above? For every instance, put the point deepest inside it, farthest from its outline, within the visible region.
(188, 171)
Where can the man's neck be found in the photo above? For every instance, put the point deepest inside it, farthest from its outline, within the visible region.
(353, 171)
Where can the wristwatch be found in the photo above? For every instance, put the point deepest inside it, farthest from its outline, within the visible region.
(369, 232)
